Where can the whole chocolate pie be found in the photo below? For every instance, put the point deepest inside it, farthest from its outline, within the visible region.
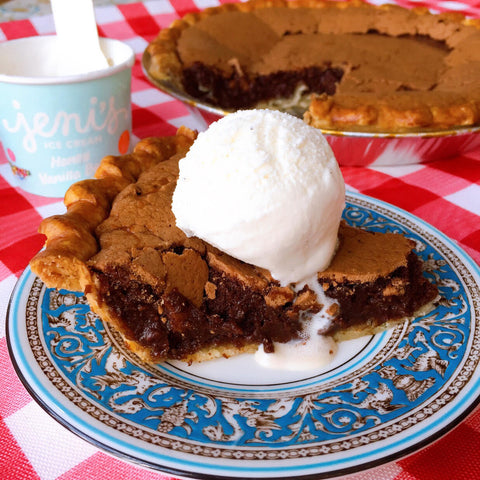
(173, 297)
(348, 64)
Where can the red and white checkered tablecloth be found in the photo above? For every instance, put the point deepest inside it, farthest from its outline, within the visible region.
(444, 193)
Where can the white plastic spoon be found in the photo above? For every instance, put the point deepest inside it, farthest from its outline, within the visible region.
(78, 46)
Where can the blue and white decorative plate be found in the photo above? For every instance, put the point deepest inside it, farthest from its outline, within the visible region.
(383, 397)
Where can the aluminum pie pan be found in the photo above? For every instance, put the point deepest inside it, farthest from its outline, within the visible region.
(362, 148)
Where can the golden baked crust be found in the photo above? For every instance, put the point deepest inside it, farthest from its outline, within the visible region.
(399, 112)
(71, 238)
(411, 97)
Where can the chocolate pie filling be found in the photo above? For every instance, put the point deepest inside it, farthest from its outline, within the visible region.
(237, 91)
(171, 326)
(399, 295)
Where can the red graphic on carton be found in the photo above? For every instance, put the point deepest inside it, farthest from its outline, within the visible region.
(9, 156)
(124, 142)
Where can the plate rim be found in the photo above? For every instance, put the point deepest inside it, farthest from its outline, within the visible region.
(472, 403)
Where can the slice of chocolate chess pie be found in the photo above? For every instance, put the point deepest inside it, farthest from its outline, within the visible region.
(174, 297)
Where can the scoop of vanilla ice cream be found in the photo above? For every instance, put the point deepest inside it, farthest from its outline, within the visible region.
(264, 187)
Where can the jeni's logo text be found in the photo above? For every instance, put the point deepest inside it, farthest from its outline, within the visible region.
(101, 116)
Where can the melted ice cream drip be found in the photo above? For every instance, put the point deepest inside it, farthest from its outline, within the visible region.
(312, 349)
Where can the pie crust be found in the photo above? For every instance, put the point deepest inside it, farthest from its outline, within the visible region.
(173, 297)
(374, 68)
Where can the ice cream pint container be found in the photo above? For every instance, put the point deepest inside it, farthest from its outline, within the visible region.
(54, 127)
